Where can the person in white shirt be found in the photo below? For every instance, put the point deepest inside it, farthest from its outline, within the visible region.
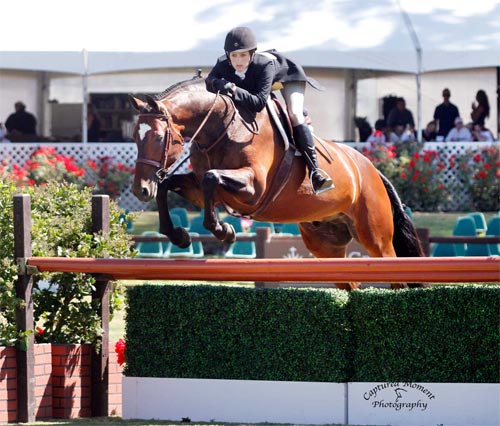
(459, 133)
(482, 134)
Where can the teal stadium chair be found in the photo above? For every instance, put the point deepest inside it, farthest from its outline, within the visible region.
(123, 218)
(465, 226)
(290, 229)
(173, 252)
(183, 216)
(256, 224)
(443, 250)
(235, 221)
(241, 249)
(480, 221)
(176, 220)
(493, 230)
(409, 212)
(197, 226)
(150, 248)
(197, 246)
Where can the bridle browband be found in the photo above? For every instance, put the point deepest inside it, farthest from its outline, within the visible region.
(163, 173)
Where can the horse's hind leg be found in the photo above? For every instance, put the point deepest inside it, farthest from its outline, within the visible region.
(328, 240)
(374, 230)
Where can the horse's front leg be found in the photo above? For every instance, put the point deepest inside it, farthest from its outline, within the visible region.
(238, 182)
(186, 186)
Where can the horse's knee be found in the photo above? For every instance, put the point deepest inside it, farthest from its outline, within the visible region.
(210, 180)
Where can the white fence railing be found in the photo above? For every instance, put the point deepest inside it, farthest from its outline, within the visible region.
(18, 153)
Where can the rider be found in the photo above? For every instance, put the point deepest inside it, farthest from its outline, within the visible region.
(249, 77)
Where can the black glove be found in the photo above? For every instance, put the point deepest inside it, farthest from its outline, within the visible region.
(218, 84)
(230, 88)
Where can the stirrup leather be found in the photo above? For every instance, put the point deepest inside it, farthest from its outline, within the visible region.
(327, 185)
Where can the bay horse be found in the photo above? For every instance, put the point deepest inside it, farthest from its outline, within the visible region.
(239, 161)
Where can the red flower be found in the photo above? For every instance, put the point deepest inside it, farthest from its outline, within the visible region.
(120, 348)
(40, 331)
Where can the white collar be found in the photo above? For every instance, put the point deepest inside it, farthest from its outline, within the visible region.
(241, 74)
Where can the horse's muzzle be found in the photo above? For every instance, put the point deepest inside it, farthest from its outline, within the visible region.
(145, 190)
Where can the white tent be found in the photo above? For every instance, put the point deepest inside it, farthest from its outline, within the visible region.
(383, 35)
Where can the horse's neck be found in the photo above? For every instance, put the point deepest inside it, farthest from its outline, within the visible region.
(207, 116)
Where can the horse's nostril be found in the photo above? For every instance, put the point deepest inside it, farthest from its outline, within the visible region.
(145, 191)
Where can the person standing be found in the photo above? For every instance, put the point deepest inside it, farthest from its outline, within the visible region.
(445, 114)
(480, 108)
(21, 125)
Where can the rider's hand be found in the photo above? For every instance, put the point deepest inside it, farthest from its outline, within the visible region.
(218, 84)
(230, 88)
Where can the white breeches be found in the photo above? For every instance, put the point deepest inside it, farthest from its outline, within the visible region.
(293, 94)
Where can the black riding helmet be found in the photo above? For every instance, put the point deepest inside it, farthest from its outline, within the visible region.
(240, 38)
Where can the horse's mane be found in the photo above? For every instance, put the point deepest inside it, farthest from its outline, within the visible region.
(192, 82)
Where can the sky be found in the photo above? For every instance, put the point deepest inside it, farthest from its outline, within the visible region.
(172, 25)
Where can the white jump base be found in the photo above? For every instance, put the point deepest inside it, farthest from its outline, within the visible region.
(408, 404)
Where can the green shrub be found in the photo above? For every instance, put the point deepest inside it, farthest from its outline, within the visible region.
(61, 221)
(236, 333)
(441, 334)
(479, 171)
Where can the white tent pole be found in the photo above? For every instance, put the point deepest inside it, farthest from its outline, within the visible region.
(85, 95)
(418, 50)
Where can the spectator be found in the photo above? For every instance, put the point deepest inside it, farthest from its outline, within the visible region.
(378, 134)
(459, 133)
(400, 134)
(21, 125)
(445, 114)
(481, 109)
(3, 139)
(401, 115)
(429, 133)
(482, 134)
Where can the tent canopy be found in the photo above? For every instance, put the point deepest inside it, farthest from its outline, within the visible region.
(354, 34)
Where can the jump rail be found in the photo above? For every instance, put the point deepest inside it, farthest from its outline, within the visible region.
(432, 270)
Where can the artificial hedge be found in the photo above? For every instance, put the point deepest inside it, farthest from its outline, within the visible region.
(236, 333)
(440, 334)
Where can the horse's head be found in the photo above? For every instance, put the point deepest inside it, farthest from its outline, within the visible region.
(159, 145)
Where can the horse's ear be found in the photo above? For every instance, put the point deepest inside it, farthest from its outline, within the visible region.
(154, 104)
(136, 103)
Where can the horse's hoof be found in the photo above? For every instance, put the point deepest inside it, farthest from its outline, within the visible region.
(180, 237)
(230, 237)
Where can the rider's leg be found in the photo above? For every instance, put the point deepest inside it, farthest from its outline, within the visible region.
(293, 94)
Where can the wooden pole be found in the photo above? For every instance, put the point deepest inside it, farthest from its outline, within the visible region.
(25, 353)
(101, 297)
(387, 269)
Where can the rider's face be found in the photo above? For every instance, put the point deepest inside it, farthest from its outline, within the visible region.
(240, 60)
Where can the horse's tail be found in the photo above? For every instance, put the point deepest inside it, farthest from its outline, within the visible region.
(405, 240)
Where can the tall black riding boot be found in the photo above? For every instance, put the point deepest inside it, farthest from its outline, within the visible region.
(320, 180)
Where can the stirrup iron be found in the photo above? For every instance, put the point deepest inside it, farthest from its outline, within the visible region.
(328, 185)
